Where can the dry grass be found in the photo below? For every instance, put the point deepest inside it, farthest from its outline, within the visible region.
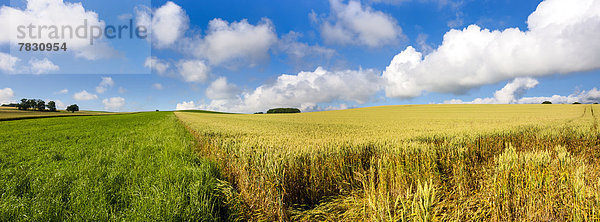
(420, 163)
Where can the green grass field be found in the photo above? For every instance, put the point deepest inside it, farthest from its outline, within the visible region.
(421, 163)
(392, 163)
(134, 167)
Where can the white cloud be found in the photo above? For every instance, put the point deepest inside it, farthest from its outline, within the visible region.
(227, 44)
(193, 70)
(156, 64)
(591, 96)
(235, 43)
(356, 24)
(6, 95)
(510, 94)
(55, 13)
(220, 89)
(60, 104)
(63, 91)
(562, 38)
(7, 62)
(105, 84)
(186, 105)
(42, 66)
(84, 95)
(122, 90)
(340, 107)
(114, 103)
(166, 24)
(306, 91)
(302, 55)
(513, 93)
(157, 86)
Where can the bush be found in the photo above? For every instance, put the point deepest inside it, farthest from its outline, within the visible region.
(284, 110)
(576, 103)
(547, 102)
(259, 113)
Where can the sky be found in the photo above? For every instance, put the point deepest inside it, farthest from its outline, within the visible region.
(249, 56)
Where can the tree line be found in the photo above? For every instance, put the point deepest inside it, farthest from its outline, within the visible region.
(40, 105)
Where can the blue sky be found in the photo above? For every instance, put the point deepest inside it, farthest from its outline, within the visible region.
(248, 56)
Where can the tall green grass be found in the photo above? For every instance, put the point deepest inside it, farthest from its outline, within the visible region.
(136, 167)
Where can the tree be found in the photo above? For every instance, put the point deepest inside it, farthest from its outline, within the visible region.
(24, 105)
(576, 103)
(52, 106)
(40, 105)
(73, 108)
(547, 102)
(31, 103)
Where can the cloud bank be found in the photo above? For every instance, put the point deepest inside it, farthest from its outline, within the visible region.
(304, 90)
(513, 93)
(562, 37)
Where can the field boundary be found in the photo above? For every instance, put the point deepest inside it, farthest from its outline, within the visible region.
(56, 116)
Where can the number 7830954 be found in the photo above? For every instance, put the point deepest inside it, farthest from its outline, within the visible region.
(43, 46)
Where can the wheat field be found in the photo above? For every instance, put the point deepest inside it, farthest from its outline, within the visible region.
(415, 163)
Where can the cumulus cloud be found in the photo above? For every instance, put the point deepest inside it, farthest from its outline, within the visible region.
(590, 96)
(167, 23)
(187, 106)
(235, 43)
(510, 94)
(106, 83)
(228, 44)
(221, 89)
(302, 55)
(513, 93)
(193, 70)
(59, 14)
(157, 86)
(156, 64)
(304, 90)
(561, 38)
(6, 95)
(113, 103)
(356, 24)
(7, 62)
(84, 96)
(42, 66)
(62, 91)
(59, 104)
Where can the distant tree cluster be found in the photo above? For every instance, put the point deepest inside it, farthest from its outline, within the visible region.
(283, 110)
(548, 102)
(40, 105)
(10, 105)
(33, 104)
